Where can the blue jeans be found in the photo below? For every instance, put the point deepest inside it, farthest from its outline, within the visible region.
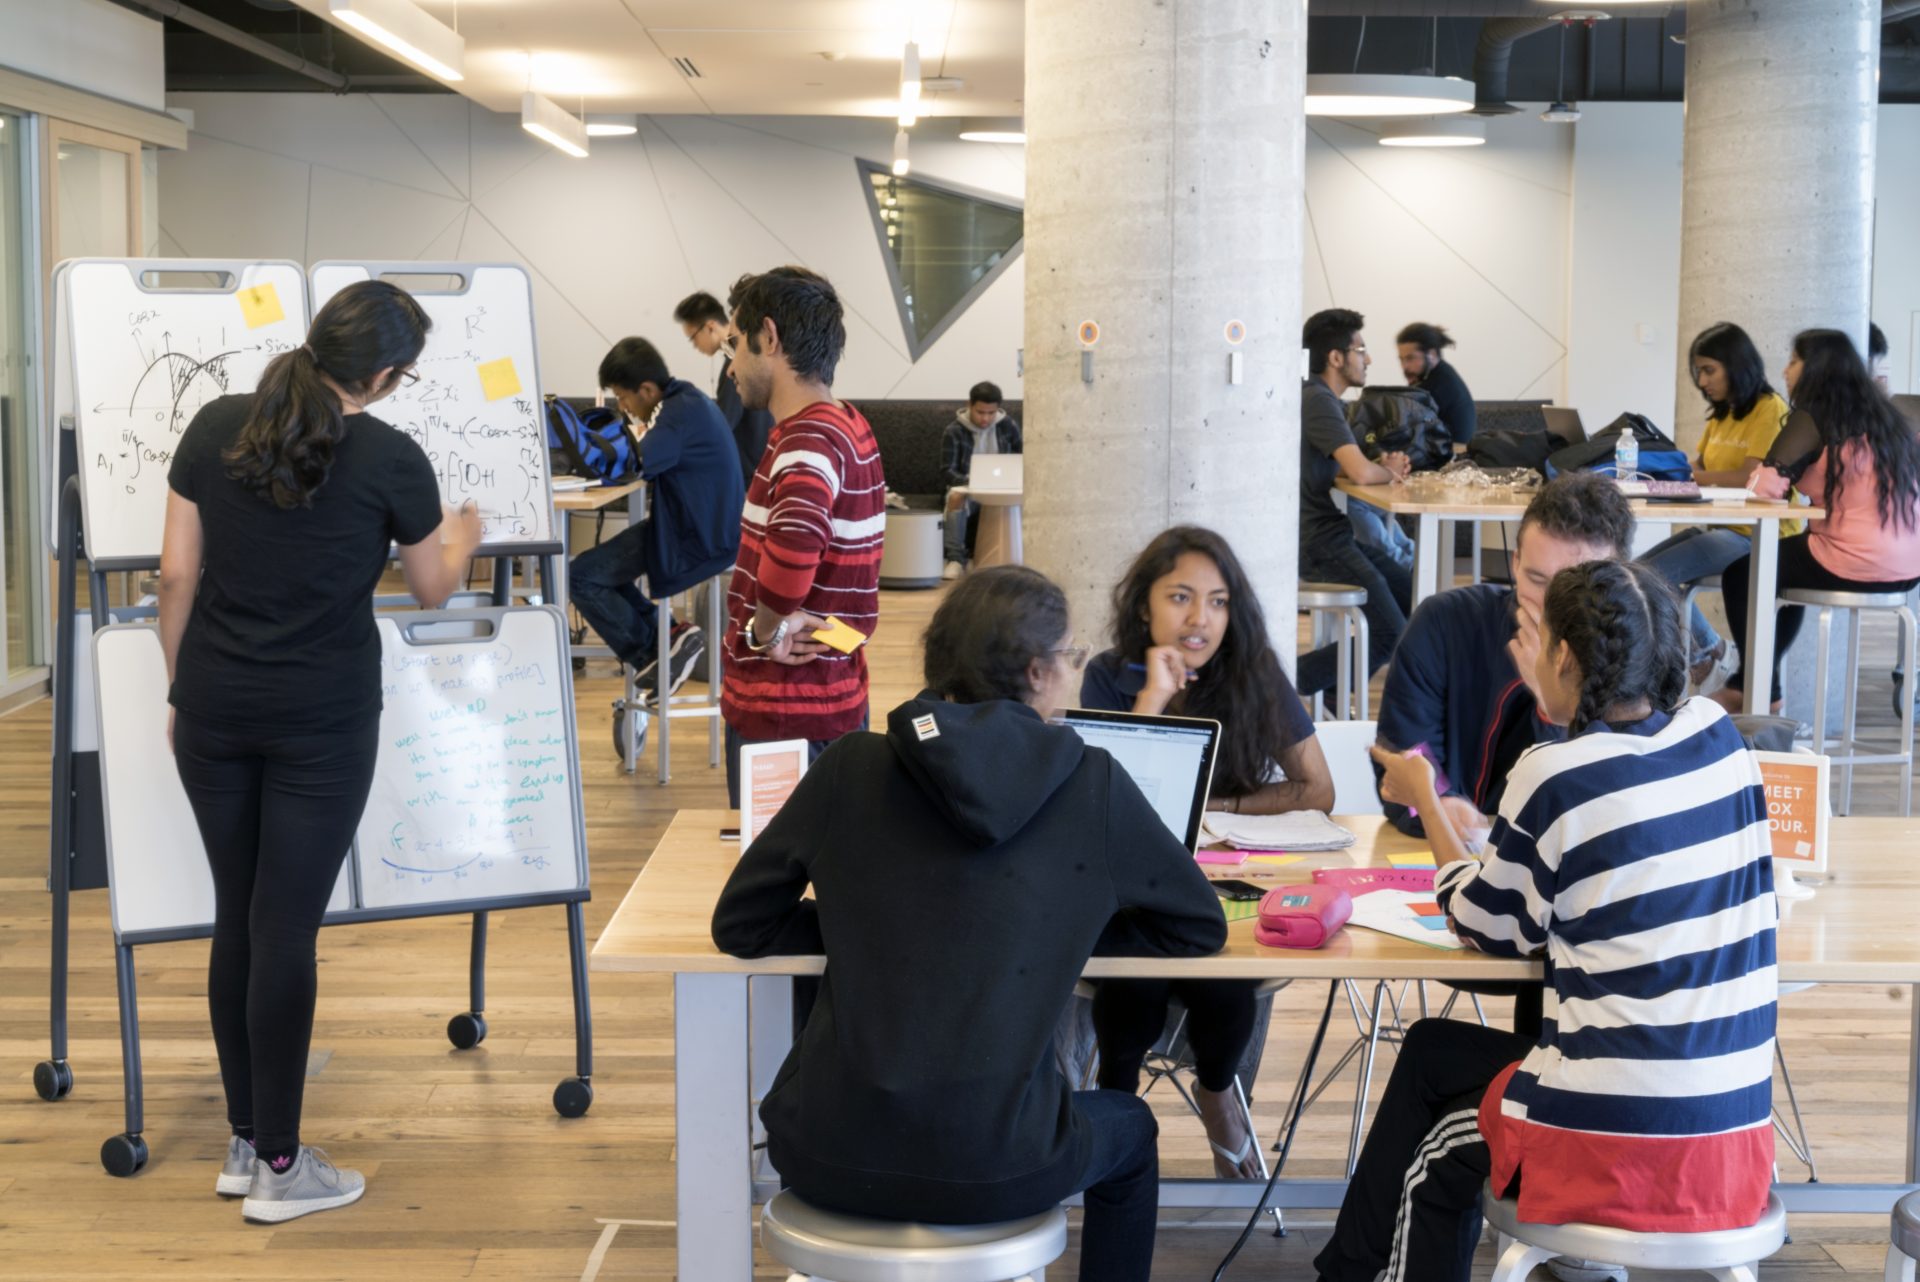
(1692, 555)
(959, 519)
(1389, 588)
(1376, 529)
(603, 584)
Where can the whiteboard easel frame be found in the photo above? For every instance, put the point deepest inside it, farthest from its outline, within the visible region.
(380, 269)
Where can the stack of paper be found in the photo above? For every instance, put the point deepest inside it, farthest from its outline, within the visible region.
(1304, 830)
(1405, 914)
(569, 484)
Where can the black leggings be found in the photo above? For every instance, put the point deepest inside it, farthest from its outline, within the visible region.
(1798, 569)
(276, 811)
(1129, 1016)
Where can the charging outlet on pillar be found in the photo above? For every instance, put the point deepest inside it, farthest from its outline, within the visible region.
(1089, 333)
(1235, 334)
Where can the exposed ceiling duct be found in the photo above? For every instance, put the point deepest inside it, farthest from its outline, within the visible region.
(1493, 58)
(239, 39)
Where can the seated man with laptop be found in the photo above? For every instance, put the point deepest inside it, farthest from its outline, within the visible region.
(982, 427)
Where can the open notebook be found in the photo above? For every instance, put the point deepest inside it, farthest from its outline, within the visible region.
(1301, 830)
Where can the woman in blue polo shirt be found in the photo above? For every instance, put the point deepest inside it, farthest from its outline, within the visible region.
(1190, 639)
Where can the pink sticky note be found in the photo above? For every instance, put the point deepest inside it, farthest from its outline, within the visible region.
(1219, 857)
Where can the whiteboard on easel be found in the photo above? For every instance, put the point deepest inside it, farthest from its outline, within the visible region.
(476, 409)
(145, 357)
(476, 795)
(157, 878)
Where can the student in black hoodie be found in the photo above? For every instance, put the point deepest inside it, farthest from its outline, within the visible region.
(965, 865)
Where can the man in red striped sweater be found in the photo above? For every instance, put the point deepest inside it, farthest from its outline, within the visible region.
(811, 532)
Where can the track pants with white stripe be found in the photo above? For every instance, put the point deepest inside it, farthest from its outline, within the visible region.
(1413, 1208)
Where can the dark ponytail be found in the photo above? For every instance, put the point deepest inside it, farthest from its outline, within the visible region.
(1622, 623)
(285, 451)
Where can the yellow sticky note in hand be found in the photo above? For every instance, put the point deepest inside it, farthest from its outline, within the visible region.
(1411, 861)
(841, 636)
(260, 305)
(498, 379)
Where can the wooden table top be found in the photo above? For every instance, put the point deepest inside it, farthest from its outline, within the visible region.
(594, 497)
(1397, 499)
(1858, 927)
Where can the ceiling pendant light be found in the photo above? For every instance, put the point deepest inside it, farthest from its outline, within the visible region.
(1435, 131)
(900, 163)
(407, 31)
(910, 86)
(1383, 95)
(599, 126)
(551, 124)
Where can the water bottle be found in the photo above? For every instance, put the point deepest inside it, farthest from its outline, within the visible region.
(1626, 457)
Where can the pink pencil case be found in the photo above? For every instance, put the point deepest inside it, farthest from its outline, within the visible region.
(1302, 916)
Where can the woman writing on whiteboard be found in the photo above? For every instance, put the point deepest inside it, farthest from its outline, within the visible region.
(282, 507)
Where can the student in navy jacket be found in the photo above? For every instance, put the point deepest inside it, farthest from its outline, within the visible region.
(1462, 679)
(692, 530)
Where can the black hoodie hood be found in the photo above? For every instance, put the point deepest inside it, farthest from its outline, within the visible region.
(989, 767)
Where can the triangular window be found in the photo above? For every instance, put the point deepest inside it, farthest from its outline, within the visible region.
(943, 246)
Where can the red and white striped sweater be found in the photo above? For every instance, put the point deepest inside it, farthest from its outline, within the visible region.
(810, 539)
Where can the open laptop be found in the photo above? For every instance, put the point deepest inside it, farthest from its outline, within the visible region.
(997, 474)
(1169, 758)
(1564, 423)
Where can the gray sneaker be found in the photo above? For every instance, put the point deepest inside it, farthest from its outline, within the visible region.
(311, 1184)
(236, 1176)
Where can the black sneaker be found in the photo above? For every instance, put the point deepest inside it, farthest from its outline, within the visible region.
(685, 645)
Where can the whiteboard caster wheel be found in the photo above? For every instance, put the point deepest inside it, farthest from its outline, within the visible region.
(572, 1097)
(466, 1030)
(620, 714)
(123, 1155)
(52, 1079)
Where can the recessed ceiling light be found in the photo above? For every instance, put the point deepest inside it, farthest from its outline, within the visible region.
(1438, 131)
(1012, 138)
(1371, 95)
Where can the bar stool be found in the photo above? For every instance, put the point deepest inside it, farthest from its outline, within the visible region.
(631, 718)
(825, 1246)
(1849, 754)
(1337, 613)
(1731, 1255)
(1708, 583)
(1905, 1248)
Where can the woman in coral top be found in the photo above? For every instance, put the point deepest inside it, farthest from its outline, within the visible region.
(1849, 451)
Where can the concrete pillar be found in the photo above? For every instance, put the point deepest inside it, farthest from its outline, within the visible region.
(1165, 166)
(1776, 231)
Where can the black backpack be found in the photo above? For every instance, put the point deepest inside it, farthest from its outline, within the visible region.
(1511, 447)
(1660, 458)
(1402, 420)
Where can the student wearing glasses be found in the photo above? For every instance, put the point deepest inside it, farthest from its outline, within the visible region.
(282, 508)
(1190, 640)
(1329, 552)
(964, 866)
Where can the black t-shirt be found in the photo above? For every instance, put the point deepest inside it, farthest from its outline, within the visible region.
(1323, 429)
(281, 634)
(1452, 401)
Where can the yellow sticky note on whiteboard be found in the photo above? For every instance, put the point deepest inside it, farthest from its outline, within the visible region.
(498, 379)
(260, 305)
(840, 635)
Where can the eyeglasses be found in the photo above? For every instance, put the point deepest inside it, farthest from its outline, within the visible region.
(409, 377)
(1075, 655)
(732, 342)
(1359, 351)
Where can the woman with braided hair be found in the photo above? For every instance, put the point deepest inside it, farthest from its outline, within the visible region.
(1633, 859)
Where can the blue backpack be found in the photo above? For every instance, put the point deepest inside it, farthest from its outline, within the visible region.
(593, 442)
(1660, 458)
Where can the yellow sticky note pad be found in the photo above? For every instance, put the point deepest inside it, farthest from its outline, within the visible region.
(498, 380)
(840, 635)
(1274, 859)
(260, 305)
(1411, 861)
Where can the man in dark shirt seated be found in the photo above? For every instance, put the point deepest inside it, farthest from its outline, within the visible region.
(1462, 682)
(1424, 367)
(1329, 553)
(692, 529)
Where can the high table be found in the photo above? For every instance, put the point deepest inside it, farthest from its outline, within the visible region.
(592, 499)
(997, 541)
(1432, 559)
(728, 1041)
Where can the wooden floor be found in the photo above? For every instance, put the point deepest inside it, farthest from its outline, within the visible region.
(472, 1175)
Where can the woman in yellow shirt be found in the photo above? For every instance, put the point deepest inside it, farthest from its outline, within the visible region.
(1745, 415)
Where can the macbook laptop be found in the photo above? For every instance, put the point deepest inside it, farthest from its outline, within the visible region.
(998, 474)
(1564, 423)
(1169, 758)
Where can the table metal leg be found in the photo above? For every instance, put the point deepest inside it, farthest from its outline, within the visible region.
(1763, 583)
(1426, 557)
(769, 1037)
(713, 1153)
